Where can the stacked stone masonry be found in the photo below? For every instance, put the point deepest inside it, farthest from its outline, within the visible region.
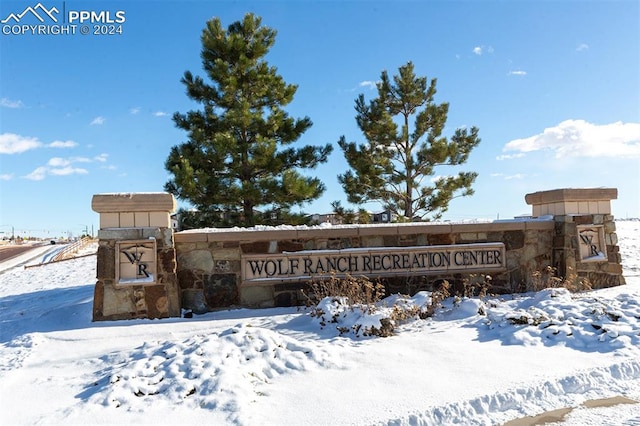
(145, 270)
(209, 263)
(135, 236)
(566, 250)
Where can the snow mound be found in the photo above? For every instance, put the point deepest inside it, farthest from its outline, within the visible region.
(217, 371)
(555, 316)
(375, 319)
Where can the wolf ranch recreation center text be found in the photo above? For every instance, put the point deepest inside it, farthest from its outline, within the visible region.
(375, 261)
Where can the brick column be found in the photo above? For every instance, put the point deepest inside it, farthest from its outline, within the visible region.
(136, 270)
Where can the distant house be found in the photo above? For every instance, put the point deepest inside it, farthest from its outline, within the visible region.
(175, 222)
(385, 216)
(332, 218)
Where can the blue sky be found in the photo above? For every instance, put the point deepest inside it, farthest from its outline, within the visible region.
(554, 88)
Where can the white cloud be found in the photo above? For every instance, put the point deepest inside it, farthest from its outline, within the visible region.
(10, 143)
(98, 121)
(160, 114)
(65, 171)
(37, 174)
(62, 144)
(509, 156)
(58, 162)
(582, 47)
(55, 167)
(62, 162)
(134, 111)
(80, 160)
(8, 103)
(480, 50)
(369, 84)
(508, 177)
(6, 176)
(101, 158)
(58, 166)
(518, 72)
(578, 138)
(516, 176)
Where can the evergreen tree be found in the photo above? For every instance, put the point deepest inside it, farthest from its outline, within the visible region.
(341, 214)
(346, 216)
(238, 155)
(392, 166)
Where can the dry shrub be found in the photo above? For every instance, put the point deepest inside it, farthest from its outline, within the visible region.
(438, 295)
(400, 314)
(387, 327)
(476, 285)
(548, 279)
(357, 290)
(349, 293)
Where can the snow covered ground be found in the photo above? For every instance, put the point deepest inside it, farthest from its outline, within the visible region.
(522, 356)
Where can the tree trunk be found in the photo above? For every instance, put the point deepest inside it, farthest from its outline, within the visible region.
(408, 208)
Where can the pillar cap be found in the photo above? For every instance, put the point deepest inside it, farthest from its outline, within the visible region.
(133, 202)
(571, 194)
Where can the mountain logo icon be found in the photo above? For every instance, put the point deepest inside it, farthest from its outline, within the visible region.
(39, 11)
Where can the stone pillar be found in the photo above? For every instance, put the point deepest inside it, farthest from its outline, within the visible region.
(585, 242)
(136, 270)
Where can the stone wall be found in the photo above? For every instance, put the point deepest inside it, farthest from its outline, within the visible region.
(210, 262)
(145, 270)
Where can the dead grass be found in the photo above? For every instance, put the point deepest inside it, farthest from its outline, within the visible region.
(357, 290)
(548, 278)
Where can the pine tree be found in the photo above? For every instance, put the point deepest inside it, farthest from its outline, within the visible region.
(344, 215)
(238, 155)
(392, 166)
